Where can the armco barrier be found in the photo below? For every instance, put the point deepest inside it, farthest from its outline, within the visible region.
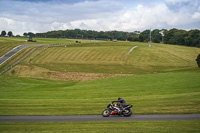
(19, 61)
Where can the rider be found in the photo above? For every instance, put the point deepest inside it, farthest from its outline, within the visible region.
(121, 103)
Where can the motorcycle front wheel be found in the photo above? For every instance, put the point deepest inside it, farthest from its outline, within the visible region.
(127, 112)
(106, 113)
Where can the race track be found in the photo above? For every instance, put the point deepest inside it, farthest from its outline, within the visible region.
(15, 50)
(98, 118)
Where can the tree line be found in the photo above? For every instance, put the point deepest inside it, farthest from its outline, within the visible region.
(172, 36)
(3, 33)
(89, 34)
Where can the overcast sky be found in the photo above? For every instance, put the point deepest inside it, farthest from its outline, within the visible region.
(21, 16)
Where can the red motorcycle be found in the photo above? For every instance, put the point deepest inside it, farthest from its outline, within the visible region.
(113, 109)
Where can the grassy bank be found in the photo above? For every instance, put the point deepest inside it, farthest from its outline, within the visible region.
(111, 58)
(16, 58)
(7, 43)
(160, 93)
(165, 79)
(103, 127)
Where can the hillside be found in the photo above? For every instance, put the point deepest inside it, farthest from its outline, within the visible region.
(162, 79)
(160, 93)
(7, 43)
(111, 59)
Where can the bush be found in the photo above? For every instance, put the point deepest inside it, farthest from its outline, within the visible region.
(13, 72)
(198, 60)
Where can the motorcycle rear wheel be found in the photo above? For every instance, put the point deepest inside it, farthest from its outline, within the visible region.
(106, 113)
(127, 112)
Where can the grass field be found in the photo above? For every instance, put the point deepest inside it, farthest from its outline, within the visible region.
(108, 57)
(16, 58)
(160, 93)
(91, 60)
(163, 79)
(7, 43)
(102, 127)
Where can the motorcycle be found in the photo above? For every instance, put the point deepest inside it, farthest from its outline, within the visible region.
(113, 109)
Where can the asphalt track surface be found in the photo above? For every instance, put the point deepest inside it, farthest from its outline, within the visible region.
(98, 118)
(15, 50)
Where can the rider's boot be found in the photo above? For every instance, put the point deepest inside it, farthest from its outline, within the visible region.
(120, 111)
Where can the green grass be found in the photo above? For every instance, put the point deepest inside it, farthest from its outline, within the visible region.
(7, 43)
(16, 58)
(160, 93)
(165, 81)
(110, 57)
(103, 127)
(168, 80)
(105, 57)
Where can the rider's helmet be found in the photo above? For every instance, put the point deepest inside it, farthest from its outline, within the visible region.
(120, 98)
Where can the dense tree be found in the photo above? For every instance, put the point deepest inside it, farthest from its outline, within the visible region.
(193, 38)
(169, 36)
(25, 34)
(172, 36)
(18, 36)
(132, 36)
(31, 34)
(182, 37)
(3, 33)
(42, 35)
(156, 36)
(10, 33)
(175, 36)
(144, 36)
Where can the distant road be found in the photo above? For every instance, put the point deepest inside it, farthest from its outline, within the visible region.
(15, 50)
(98, 118)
